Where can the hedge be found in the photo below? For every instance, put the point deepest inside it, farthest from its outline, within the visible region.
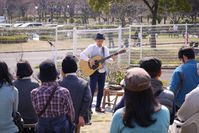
(46, 38)
(13, 39)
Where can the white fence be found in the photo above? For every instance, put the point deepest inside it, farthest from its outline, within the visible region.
(135, 38)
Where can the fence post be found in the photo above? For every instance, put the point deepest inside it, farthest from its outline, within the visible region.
(140, 41)
(100, 31)
(119, 43)
(186, 35)
(130, 46)
(74, 41)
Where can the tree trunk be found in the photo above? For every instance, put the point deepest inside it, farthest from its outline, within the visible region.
(153, 31)
(153, 37)
(141, 19)
(123, 21)
(165, 19)
(154, 11)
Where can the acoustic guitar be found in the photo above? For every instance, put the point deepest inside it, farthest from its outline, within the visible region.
(88, 70)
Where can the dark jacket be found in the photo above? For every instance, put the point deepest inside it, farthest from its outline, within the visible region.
(80, 94)
(25, 86)
(164, 96)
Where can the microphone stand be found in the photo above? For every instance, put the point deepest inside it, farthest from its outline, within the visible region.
(54, 52)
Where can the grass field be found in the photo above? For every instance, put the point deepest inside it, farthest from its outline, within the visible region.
(162, 42)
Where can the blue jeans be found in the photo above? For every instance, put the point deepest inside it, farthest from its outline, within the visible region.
(53, 125)
(100, 79)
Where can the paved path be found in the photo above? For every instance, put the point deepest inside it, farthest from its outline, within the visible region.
(34, 57)
(37, 57)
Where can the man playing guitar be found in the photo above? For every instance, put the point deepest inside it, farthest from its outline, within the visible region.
(99, 76)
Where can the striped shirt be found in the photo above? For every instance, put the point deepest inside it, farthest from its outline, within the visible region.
(61, 103)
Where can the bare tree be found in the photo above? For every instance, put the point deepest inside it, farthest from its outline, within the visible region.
(127, 11)
(41, 8)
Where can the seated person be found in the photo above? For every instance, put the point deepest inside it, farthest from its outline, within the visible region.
(25, 85)
(142, 113)
(77, 87)
(52, 103)
(8, 100)
(190, 105)
(165, 97)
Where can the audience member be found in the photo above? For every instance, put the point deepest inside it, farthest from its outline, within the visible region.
(153, 66)
(190, 105)
(52, 103)
(185, 77)
(165, 97)
(25, 85)
(78, 88)
(142, 112)
(8, 100)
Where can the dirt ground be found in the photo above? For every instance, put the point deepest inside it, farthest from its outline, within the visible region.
(100, 123)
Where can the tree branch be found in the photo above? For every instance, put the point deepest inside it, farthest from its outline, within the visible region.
(149, 6)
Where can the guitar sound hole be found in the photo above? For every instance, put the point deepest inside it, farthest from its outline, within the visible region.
(95, 66)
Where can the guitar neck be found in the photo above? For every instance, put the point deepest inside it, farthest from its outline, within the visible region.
(106, 58)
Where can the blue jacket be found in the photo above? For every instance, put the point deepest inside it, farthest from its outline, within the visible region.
(8, 104)
(190, 80)
(160, 126)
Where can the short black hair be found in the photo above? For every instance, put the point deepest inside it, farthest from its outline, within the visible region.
(69, 64)
(152, 65)
(48, 71)
(24, 69)
(186, 51)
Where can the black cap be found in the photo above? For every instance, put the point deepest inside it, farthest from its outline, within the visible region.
(99, 36)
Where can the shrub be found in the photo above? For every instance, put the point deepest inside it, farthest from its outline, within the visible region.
(13, 39)
(46, 38)
(101, 26)
(78, 21)
(71, 20)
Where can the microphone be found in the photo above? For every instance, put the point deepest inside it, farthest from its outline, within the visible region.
(51, 44)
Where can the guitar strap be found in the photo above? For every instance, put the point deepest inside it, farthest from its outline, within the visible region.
(103, 51)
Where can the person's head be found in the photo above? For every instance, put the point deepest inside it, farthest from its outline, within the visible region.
(5, 76)
(23, 69)
(99, 39)
(186, 53)
(47, 71)
(69, 64)
(152, 65)
(139, 99)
